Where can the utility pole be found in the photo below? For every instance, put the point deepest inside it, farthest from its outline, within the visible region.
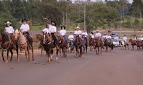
(85, 16)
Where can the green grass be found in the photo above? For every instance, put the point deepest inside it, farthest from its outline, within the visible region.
(36, 28)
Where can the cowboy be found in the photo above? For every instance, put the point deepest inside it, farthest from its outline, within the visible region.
(104, 36)
(53, 30)
(84, 33)
(46, 30)
(78, 32)
(92, 35)
(141, 38)
(63, 33)
(9, 31)
(97, 34)
(25, 30)
(71, 37)
(125, 38)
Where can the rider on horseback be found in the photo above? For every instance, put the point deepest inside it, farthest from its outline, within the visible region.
(97, 34)
(46, 32)
(125, 38)
(25, 30)
(63, 33)
(78, 33)
(9, 31)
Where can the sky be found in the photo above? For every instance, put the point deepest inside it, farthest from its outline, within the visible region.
(104, 0)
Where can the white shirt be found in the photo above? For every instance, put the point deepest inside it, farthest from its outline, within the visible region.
(97, 34)
(79, 32)
(104, 36)
(46, 30)
(92, 36)
(108, 37)
(63, 32)
(141, 38)
(85, 34)
(25, 27)
(9, 29)
(125, 39)
(52, 29)
(70, 37)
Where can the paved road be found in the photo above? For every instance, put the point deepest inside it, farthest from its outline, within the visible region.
(119, 67)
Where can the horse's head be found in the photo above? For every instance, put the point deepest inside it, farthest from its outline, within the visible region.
(78, 40)
(39, 37)
(60, 39)
(16, 34)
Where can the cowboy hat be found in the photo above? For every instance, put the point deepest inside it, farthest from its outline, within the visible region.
(97, 30)
(77, 27)
(8, 22)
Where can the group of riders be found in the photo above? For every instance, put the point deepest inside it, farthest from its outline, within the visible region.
(52, 29)
(79, 38)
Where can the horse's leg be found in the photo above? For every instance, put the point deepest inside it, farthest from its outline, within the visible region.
(7, 54)
(18, 54)
(11, 54)
(3, 55)
(32, 53)
(86, 48)
(26, 54)
(80, 52)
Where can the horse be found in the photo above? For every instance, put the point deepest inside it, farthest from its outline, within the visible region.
(91, 43)
(97, 45)
(108, 43)
(70, 46)
(62, 45)
(139, 44)
(40, 38)
(47, 43)
(133, 43)
(23, 43)
(124, 44)
(78, 46)
(85, 44)
(7, 45)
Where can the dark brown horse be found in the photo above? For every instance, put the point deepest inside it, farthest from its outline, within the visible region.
(98, 45)
(108, 44)
(7, 45)
(47, 42)
(70, 46)
(85, 44)
(91, 43)
(78, 46)
(62, 46)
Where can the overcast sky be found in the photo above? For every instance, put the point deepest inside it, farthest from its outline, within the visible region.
(103, 0)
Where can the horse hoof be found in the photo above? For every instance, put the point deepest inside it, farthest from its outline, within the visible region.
(6, 61)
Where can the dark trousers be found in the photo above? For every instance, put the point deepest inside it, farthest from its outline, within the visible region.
(54, 38)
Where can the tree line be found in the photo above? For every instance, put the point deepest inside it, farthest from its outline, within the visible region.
(98, 14)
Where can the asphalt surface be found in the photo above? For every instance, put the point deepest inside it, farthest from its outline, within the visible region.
(118, 67)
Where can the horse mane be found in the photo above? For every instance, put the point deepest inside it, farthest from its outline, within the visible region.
(5, 37)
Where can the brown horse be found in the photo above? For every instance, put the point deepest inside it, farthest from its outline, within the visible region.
(22, 43)
(91, 43)
(78, 46)
(62, 46)
(98, 46)
(48, 45)
(108, 43)
(139, 44)
(133, 43)
(7, 45)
